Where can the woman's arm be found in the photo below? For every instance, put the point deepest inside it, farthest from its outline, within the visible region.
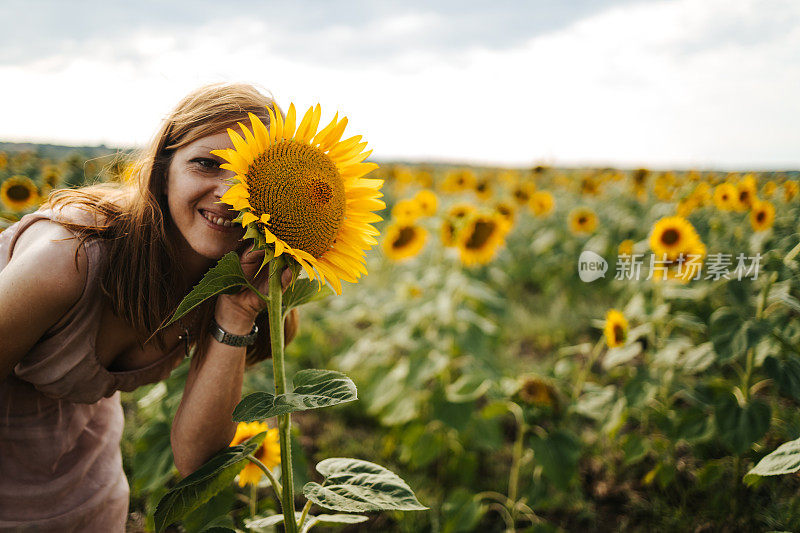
(203, 426)
(39, 284)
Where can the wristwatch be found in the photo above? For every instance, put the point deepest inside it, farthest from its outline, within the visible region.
(230, 339)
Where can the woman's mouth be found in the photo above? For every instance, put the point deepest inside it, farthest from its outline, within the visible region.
(217, 222)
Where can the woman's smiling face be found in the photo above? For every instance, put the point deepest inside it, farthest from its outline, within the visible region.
(195, 183)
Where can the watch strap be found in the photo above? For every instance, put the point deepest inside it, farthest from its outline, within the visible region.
(230, 339)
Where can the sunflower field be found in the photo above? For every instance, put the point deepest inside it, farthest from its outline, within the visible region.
(534, 349)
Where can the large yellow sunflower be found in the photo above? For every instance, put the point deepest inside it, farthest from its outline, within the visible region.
(304, 193)
(480, 238)
(268, 453)
(403, 241)
(671, 236)
(18, 193)
(762, 216)
(615, 329)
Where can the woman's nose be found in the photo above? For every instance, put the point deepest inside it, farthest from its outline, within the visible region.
(221, 187)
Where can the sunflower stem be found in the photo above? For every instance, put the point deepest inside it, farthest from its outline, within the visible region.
(276, 486)
(304, 514)
(284, 421)
(253, 500)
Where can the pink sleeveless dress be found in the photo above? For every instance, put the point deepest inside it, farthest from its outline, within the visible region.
(61, 418)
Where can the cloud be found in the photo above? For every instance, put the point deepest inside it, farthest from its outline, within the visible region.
(313, 31)
(664, 83)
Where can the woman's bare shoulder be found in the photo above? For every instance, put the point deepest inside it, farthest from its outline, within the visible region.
(44, 278)
(52, 254)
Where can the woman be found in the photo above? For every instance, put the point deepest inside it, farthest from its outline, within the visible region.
(85, 284)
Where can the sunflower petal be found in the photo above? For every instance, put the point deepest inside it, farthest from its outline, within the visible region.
(259, 131)
(288, 126)
(325, 131)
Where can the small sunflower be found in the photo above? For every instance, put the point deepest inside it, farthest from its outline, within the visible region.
(18, 193)
(625, 247)
(51, 175)
(454, 221)
(268, 453)
(427, 201)
(303, 192)
(769, 188)
(521, 192)
(459, 180)
(480, 238)
(507, 211)
(483, 188)
(542, 203)
(582, 221)
(403, 240)
(702, 194)
(745, 193)
(424, 178)
(685, 267)
(615, 329)
(406, 210)
(671, 236)
(725, 196)
(536, 391)
(790, 189)
(686, 206)
(762, 215)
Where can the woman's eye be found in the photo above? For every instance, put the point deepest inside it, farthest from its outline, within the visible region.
(206, 163)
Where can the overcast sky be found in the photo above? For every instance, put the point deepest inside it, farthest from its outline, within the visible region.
(671, 83)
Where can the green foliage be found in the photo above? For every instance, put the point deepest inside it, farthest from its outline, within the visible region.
(225, 277)
(313, 389)
(740, 426)
(352, 485)
(784, 460)
(202, 484)
(304, 291)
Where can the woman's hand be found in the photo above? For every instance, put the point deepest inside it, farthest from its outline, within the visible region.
(239, 311)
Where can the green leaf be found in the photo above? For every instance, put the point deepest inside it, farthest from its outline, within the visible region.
(198, 487)
(352, 485)
(332, 519)
(740, 426)
(303, 291)
(227, 274)
(786, 374)
(620, 355)
(784, 460)
(312, 389)
(461, 511)
(467, 388)
(558, 453)
(725, 323)
(268, 521)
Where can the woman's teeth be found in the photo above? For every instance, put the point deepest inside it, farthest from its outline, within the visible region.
(219, 221)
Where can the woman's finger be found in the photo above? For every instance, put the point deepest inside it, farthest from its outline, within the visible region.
(286, 278)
